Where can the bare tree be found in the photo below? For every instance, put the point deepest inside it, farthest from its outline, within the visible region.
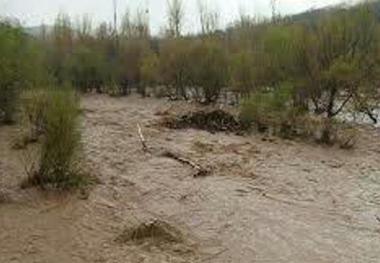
(126, 25)
(273, 4)
(176, 17)
(136, 27)
(84, 27)
(63, 32)
(115, 17)
(104, 31)
(209, 19)
(245, 20)
(142, 23)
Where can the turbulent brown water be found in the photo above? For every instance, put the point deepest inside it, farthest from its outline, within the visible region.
(266, 200)
(361, 118)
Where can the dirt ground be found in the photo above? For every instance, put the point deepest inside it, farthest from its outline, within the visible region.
(266, 200)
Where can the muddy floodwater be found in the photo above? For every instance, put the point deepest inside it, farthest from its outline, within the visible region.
(264, 200)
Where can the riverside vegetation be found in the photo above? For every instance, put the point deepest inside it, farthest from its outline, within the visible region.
(291, 77)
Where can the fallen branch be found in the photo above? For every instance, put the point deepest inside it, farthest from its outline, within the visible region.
(142, 139)
(200, 171)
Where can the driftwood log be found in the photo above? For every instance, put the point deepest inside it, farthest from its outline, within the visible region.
(199, 170)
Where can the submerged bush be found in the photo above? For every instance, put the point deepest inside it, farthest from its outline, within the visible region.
(276, 112)
(272, 110)
(60, 149)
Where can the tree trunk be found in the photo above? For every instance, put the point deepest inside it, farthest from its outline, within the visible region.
(331, 103)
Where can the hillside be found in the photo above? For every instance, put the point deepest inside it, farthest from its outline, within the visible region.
(311, 16)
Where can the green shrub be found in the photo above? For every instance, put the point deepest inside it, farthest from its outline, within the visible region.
(87, 69)
(271, 109)
(60, 150)
(128, 62)
(21, 67)
(209, 69)
(275, 111)
(243, 72)
(149, 71)
(11, 69)
(174, 65)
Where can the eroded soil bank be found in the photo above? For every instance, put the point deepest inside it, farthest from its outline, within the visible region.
(265, 200)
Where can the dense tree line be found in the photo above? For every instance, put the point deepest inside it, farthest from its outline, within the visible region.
(324, 66)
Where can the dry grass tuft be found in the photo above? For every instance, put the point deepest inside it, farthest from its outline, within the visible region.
(155, 231)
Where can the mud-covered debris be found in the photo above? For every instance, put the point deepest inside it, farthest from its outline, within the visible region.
(199, 170)
(213, 121)
(156, 231)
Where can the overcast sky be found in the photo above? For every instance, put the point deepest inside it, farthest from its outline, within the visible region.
(34, 12)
